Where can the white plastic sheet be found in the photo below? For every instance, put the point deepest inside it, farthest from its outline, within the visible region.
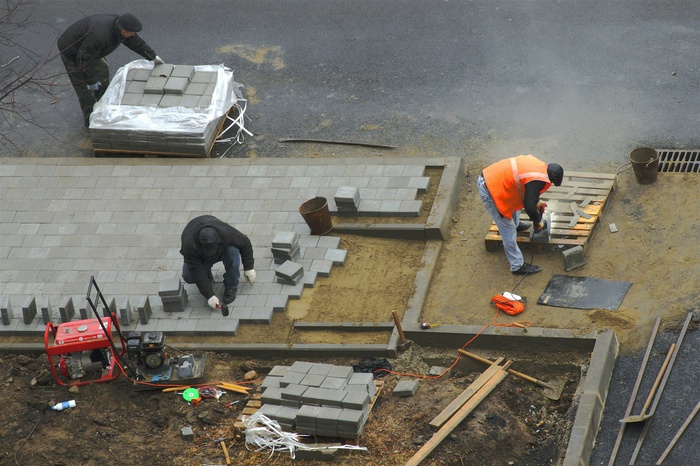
(109, 114)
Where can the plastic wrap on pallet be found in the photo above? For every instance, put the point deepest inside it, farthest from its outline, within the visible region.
(110, 114)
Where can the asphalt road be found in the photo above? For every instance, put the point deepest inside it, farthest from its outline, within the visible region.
(582, 83)
(677, 400)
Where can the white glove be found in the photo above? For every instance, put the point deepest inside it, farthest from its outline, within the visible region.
(250, 276)
(158, 60)
(94, 87)
(213, 302)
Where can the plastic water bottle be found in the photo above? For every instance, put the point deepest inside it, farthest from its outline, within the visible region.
(63, 405)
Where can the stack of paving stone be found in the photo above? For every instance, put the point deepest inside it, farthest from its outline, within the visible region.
(289, 273)
(176, 89)
(347, 199)
(318, 399)
(173, 295)
(285, 247)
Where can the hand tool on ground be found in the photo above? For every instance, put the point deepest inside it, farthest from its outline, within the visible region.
(222, 441)
(404, 344)
(428, 325)
(552, 388)
(644, 415)
(635, 389)
(543, 235)
(660, 391)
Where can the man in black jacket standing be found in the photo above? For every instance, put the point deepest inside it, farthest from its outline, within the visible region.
(84, 45)
(207, 240)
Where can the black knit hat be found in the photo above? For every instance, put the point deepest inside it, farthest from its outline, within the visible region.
(129, 22)
(555, 173)
(208, 240)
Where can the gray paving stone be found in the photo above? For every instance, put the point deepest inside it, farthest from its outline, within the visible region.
(6, 310)
(29, 310)
(313, 380)
(356, 399)
(301, 367)
(406, 387)
(278, 371)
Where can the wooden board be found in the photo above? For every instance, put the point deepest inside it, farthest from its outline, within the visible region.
(592, 190)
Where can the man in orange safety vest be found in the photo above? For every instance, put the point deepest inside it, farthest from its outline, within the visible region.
(510, 185)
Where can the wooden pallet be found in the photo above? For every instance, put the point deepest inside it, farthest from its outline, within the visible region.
(254, 403)
(590, 192)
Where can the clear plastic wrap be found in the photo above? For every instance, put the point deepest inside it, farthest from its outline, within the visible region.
(110, 114)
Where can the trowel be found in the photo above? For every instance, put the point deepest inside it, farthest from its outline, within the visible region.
(544, 234)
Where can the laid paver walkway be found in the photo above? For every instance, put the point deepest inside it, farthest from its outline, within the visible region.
(63, 221)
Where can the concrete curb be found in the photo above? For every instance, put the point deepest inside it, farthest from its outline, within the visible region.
(592, 401)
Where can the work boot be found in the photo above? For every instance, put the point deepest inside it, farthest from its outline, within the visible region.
(523, 226)
(527, 269)
(229, 295)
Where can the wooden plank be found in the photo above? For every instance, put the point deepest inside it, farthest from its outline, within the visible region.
(463, 397)
(679, 433)
(635, 389)
(660, 390)
(459, 416)
(603, 176)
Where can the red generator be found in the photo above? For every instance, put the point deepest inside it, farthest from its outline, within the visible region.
(85, 350)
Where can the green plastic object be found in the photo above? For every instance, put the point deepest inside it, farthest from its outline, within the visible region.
(190, 394)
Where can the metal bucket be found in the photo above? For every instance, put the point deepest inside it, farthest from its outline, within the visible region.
(316, 215)
(645, 162)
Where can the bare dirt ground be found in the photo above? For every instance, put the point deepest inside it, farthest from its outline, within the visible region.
(655, 249)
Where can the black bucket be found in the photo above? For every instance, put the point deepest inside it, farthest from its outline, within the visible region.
(316, 215)
(645, 162)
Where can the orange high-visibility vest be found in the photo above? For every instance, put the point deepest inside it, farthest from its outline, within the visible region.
(506, 181)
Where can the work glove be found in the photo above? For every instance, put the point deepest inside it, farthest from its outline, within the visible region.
(94, 87)
(541, 226)
(158, 60)
(213, 302)
(250, 276)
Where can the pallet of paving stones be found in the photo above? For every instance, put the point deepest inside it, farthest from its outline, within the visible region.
(577, 207)
(177, 145)
(325, 401)
(163, 110)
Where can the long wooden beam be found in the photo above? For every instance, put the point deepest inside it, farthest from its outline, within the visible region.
(463, 397)
(459, 416)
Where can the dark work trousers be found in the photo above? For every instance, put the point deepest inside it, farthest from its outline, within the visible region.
(78, 78)
(232, 265)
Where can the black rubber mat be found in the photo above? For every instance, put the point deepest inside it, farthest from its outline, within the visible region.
(583, 293)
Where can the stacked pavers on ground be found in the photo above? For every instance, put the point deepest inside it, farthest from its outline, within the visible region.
(289, 273)
(318, 399)
(285, 247)
(166, 86)
(173, 295)
(347, 199)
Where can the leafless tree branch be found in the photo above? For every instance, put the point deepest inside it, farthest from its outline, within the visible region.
(21, 69)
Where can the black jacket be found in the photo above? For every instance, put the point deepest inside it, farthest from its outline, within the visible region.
(198, 264)
(96, 37)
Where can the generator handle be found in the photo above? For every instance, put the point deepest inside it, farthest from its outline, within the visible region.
(100, 297)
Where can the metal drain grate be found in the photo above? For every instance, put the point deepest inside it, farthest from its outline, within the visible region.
(679, 161)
